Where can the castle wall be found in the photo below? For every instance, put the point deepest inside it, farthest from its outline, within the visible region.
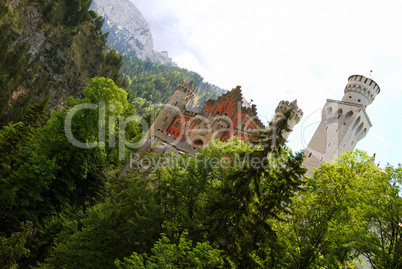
(219, 119)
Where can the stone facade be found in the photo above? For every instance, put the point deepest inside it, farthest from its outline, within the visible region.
(343, 123)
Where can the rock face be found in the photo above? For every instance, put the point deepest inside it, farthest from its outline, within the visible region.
(48, 50)
(129, 32)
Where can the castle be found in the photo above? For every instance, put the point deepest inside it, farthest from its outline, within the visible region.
(178, 130)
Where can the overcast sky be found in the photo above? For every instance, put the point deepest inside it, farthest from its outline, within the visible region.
(289, 49)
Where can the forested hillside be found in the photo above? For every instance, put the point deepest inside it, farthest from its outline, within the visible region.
(155, 83)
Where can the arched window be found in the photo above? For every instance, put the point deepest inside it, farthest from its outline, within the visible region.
(198, 144)
(338, 113)
(176, 124)
(327, 113)
(362, 134)
(356, 123)
(347, 117)
(359, 129)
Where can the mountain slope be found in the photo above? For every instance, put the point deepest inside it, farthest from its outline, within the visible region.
(156, 83)
(48, 50)
(129, 32)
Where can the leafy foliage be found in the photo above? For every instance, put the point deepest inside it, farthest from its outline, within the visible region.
(44, 172)
(339, 215)
(380, 240)
(198, 198)
(13, 248)
(166, 255)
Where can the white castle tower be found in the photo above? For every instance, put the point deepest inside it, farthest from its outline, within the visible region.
(343, 123)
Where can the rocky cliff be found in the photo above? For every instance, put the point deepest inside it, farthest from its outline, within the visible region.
(129, 32)
(49, 49)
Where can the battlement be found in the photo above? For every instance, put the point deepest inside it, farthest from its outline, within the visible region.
(286, 105)
(359, 88)
(187, 88)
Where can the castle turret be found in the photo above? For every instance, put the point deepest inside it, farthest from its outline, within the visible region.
(343, 123)
(360, 90)
(280, 110)
(176, 105)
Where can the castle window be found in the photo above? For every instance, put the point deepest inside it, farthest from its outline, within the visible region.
(326, 128)
(176, 103)
(225, 114)
(329, 144)
(227, 104)
(224, 139)
(165, 119)
(359, 100)
(336, 130)
(339, 116)
(321, 159)
(350, 97)
(185, 126)
(235, 120)
(347, 117)
(310, 155)
(176, 124)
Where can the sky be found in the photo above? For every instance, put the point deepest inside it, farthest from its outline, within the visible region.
(288, 49)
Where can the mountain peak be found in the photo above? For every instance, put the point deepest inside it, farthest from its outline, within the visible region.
(129, 32)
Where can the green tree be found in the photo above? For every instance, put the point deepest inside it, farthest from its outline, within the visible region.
(14, 247)
(258, 188)
(44, 172)
(380, 239)
(217, 196)
(328, 218)
(167, 255)
(127, 221)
